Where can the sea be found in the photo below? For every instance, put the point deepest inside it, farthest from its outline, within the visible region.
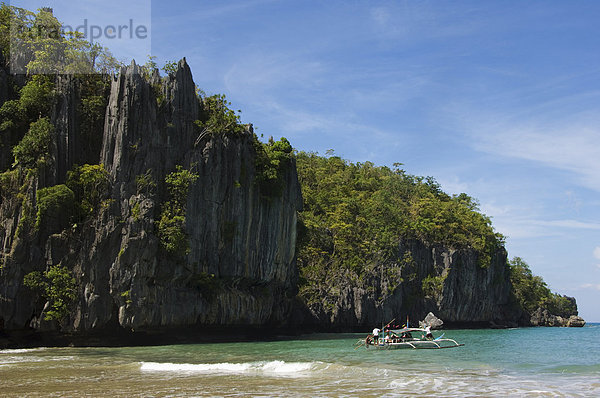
(522, 362)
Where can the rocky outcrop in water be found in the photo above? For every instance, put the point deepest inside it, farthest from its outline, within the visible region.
(575, 321)
(432, 321)
(542, 317)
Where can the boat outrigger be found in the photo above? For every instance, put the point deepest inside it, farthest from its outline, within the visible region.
(415, 338)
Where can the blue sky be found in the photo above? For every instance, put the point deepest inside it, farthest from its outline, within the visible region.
(496, 99)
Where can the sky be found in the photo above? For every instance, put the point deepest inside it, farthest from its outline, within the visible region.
(498, 99)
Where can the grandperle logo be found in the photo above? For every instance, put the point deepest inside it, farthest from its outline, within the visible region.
(126, 34)
(92, 33)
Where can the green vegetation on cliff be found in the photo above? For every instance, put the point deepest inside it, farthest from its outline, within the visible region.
(94, 91)
(34, 148)
(55, 204)
(532, 292)
(34, 44)
(272, 160)
(217, 118)
(25, 128)
(171, 222)
(89, 184)
(58, 286)
(356, 214)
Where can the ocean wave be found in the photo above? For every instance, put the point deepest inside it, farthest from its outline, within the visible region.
(575, 369)
(12, 360)
(500, 385)
(267, 367)
(22, 350)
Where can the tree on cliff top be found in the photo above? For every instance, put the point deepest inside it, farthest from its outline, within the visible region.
(355, 215)
(532, 292)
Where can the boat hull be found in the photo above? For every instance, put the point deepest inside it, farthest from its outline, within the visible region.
(415, 345)
(396, 339)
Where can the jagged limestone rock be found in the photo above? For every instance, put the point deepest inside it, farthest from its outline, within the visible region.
(575, 321)
(542, 317)
(241, 266)
(464, 293)
(432, 321)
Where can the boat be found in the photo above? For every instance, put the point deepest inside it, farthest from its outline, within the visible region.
(391, 339)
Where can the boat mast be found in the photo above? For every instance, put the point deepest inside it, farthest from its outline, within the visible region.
(382, 298)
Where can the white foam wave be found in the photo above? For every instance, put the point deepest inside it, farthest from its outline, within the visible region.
(13, 359)
(268, 367)
(499, 384)
(21, 350)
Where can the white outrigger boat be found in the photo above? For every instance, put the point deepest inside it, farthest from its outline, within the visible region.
(391, 339)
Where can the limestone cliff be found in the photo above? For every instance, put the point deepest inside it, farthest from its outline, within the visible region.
(241, 265)
(461, 292)
(240, 269)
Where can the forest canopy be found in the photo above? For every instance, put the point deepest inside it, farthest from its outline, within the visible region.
(532, 292)
(355, 215)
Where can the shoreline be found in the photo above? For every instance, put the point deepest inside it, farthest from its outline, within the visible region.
(20, 339)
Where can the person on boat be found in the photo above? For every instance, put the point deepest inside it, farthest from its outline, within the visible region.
(428, 334)
(376, 335)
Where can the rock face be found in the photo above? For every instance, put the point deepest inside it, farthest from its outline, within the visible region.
(438, 279)
(5, 158)
(432, 321)
(575, 321)
(3, 80)
(469, 293)
(241, 267)
(542, 317)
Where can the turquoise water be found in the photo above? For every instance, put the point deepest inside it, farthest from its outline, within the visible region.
(515, 362)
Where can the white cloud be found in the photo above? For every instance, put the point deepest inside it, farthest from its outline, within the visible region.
(515, 226)
(211, 12)
(517, 222)
(574, 149)
(420, 21)
(591, 286)
(544, 122)
(453, 185)
(381, 16)
(260, 72)
(287, 89)
(522, 228)
(567, 224)
(597, 252)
